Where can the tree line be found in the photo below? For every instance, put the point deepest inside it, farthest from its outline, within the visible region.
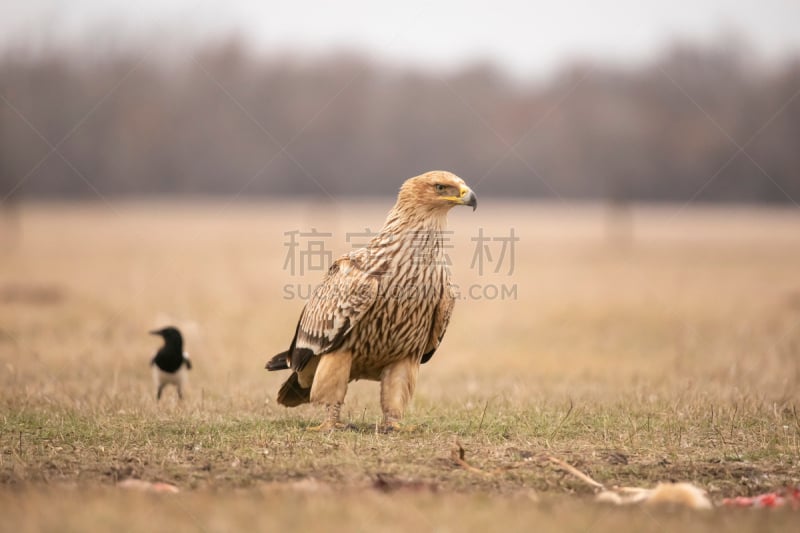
(709, 123)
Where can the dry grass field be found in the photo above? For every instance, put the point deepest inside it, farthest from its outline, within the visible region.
(675, 356)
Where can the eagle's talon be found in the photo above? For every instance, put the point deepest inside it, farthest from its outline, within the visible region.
(332, 421)
(386, 429)
(393, 426)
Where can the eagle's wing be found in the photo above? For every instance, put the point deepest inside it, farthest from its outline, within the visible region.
(336, 305)
(441, 317)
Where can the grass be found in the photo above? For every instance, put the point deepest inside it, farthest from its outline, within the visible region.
(671, 358)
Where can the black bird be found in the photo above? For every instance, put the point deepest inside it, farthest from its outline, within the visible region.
(168, 363)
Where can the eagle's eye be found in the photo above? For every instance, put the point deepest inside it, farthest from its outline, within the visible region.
(440, 187)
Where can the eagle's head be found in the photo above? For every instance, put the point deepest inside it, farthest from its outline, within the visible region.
(435, 192)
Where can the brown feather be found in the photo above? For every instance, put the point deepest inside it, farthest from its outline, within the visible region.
(291, 394)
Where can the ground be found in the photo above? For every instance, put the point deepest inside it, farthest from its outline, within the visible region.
(655, 346)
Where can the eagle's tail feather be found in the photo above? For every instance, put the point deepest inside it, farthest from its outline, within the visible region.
(279, 362)
(292, 393)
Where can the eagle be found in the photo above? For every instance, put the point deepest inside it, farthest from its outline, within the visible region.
(380, 311)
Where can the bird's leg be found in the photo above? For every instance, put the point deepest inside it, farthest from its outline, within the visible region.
(330, 387)
(180, 393)
(332, 419)
(160, 390)
(398, 381)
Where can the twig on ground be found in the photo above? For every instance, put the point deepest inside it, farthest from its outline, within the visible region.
(575, 472)
(457, 455)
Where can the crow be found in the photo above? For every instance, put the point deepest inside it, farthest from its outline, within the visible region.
(168, 363)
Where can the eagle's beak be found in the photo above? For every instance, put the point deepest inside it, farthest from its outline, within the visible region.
(155, 332)
(467, 197)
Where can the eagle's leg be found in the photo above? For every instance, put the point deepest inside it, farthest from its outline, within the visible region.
(330, 386)
(398, 381)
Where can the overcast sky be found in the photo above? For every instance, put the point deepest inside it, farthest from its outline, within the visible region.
(527, 38)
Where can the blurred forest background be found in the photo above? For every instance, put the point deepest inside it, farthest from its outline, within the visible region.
(707, 122)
